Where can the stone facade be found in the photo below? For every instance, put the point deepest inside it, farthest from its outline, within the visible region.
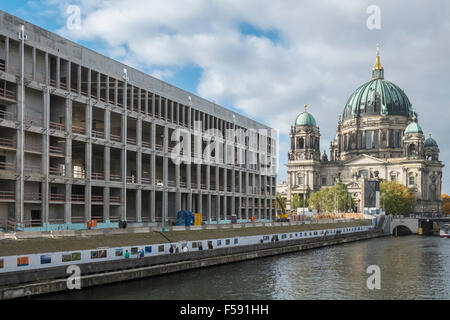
(378, 136)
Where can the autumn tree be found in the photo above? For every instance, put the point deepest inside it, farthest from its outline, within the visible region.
(395, 198)
(445, 203)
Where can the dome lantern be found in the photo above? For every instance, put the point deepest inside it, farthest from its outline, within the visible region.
(377, 70)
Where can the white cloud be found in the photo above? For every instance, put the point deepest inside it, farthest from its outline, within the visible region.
(321, 54)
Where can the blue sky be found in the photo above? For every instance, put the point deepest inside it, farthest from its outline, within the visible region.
(266, 59)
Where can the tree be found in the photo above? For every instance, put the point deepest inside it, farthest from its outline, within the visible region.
(280, 203)
(329, 199)
(395, 198)
(296, 201)
(445, 203)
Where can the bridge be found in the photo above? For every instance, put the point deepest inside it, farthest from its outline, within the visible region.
(403, 225)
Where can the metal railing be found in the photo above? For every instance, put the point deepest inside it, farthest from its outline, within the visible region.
(9, 143)
(77, 219)
(115, 177)
(98, 134)
(97, 218)
(56, 221)
(131, 179)
(7, 166)
(78, 130)
(2, 65)
(8, 94)
(78, 173)
(7, 195)
(145, 180)
(77, 197)
(57, 197)
(159, 147)
(96, 198)
(97, 176)
(6, 115)
(115, 138)
(55, 171)
(57, 126)
(146, 144)
(131, 140)
(115, 199)
(57, 150)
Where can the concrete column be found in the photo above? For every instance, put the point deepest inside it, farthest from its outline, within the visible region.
(107, 89)
(218, 212)
(106, 193)
(132, 98)
(177, 185)
(88, 161)
(89, 83)
(45, 157)
(47, 71)
(152, 205)
(208, 201)
(146, 103)
(139, 205)
(58, 72)
(69, 76)
(98, 85)
(68, 162)
(34, 63)
(7, 55)
(79, 79)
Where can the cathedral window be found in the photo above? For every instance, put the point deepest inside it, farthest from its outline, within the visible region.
(324, 181)
(411, 181)
(300, 180)
(397, 140)
(368, 139)
(393, 177)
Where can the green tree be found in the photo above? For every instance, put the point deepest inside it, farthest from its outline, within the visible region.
(395, 198)
(280, 203)
(296, 201)
(329, 199)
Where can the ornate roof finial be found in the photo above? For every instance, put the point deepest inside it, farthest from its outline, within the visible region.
(377, 70)
(305, 106)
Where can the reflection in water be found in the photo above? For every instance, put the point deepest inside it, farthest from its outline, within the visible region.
(411, 268)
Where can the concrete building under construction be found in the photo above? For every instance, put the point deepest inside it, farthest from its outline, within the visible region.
(84, 137)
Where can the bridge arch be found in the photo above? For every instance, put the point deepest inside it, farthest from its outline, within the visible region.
(401, 230)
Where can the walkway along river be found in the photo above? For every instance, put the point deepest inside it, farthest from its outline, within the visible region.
(412, 267)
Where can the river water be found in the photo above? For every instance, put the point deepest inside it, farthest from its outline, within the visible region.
(412, 267)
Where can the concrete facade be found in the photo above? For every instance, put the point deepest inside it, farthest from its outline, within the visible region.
(85, 137)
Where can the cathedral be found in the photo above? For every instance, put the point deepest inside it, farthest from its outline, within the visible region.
(378, 137)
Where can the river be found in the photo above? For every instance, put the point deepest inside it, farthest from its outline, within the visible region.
(412, 267)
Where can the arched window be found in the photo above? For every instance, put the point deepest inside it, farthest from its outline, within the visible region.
(412, 150)
(300, 143)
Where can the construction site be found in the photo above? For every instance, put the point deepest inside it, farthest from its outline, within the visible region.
(84, 137)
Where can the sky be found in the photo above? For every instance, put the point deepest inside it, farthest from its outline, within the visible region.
(265, 59)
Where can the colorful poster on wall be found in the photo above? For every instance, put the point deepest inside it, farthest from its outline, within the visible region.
(94, 254)
(76, 256)
(134, 250)
(148, 249)
(2, 265)
(22, 261)
(45, 259)
(119, 252)
(66, 257)
(102, 253)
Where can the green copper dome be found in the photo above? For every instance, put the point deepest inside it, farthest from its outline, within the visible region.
(413, 127)
(430, 142)
(305, 119)
(377, 97)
